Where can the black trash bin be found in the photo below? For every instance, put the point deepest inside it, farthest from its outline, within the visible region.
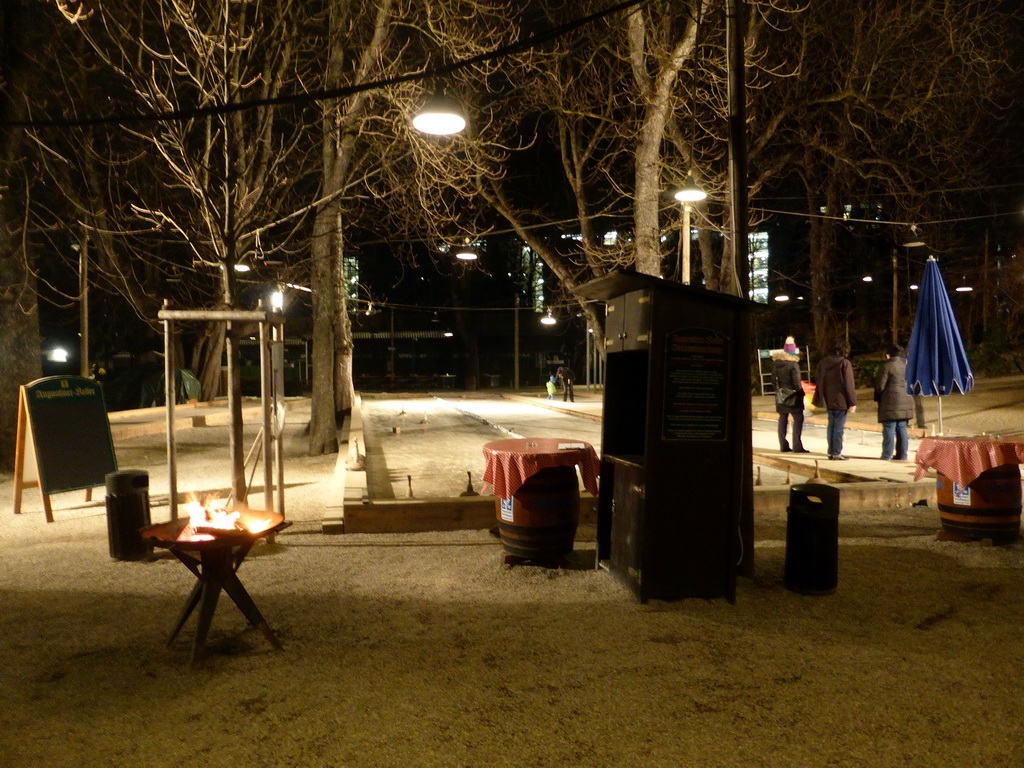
(127, 513)
(812, 539)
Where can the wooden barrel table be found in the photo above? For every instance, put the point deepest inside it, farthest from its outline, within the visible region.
(539, 521)
(538, 495)
(987, 508)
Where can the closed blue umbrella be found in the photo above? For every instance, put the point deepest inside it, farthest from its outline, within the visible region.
(936, 361)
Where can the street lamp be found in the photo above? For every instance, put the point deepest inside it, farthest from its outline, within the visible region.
(688, 193)
(912, 239)
(465, 253)
(277, 300)
(440, 116)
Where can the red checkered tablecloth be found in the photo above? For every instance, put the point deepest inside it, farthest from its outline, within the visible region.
(510, 462)
(962, 459)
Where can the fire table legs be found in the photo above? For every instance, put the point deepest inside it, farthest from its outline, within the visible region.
(215, 570)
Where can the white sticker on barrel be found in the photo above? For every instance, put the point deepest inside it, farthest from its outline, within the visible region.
(506, 509)
(961, 495)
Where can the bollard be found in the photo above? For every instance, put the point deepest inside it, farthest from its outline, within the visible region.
(812, 539)
(127, 513)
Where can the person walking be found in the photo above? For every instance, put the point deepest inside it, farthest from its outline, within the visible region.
(895, 406)
(789, 395)
(565, 377)
(836, 392)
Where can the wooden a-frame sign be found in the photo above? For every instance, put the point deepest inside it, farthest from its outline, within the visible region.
(63, 439)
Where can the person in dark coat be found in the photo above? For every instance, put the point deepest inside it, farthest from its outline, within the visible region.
(895, 406)
(565, 377)
(786, 374)
(837, 393)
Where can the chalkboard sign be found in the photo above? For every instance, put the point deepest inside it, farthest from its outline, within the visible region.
(70, 432)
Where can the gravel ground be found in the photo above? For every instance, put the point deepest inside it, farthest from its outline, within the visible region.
(422, 650)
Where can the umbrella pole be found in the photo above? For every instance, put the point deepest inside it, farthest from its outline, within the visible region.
(939, 397)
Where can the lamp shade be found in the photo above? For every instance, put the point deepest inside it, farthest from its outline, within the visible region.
(690, 192)
(913, 238)
(440, 116)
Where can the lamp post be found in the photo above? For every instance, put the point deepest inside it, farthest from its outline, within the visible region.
(895, 300)
(515, 345)
(83, 304)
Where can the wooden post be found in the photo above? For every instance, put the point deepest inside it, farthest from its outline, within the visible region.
(169, 400)
(265, 395)
(277, 368)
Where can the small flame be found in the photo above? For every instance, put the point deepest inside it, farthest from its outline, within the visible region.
(210, 513)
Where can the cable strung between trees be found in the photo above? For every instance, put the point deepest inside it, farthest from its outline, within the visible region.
(534, 41)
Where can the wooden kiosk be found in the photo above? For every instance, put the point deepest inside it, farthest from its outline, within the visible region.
(675, 506)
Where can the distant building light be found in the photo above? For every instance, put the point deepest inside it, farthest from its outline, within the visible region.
(448, 334)
(867, 278)
(782, 297)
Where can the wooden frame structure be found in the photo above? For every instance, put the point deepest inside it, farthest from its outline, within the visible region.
(271, 391)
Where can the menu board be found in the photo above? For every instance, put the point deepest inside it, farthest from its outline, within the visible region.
(696, 371)
(70, 432)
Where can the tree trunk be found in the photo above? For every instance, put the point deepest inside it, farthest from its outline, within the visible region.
(709, 259)
(466, 329)
(648, 158)
(822, 241)
(19, 318)
(344, 391)
(323, 425)
(206, 361)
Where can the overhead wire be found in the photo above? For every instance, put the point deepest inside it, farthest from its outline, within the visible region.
(837, 217)
(309, 97)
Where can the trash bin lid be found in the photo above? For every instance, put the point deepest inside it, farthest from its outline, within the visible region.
(127, 481)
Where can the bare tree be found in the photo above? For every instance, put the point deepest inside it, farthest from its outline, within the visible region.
(889, 103)
(203, 188)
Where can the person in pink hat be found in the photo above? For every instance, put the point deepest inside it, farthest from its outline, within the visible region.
(789, 395)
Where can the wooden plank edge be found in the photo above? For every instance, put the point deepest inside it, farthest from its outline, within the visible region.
(452, 514)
